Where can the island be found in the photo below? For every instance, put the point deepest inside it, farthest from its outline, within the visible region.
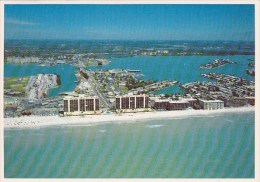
(216, 63)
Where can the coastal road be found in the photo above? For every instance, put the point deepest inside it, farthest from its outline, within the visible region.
(97, 90)
(95, 86)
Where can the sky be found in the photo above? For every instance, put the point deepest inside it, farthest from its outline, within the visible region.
(130, 22)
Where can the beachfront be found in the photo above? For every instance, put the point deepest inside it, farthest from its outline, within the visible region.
(40, 121)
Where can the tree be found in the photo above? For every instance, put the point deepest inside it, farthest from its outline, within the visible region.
(58, 80)
(167, 95)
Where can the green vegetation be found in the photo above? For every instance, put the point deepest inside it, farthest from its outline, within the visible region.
(133, 83)
(88, 63)
(107, 73)
(16, 84)
(124, 89)
(18, 88)
(58, 80)
(168, 95)
(85, 75)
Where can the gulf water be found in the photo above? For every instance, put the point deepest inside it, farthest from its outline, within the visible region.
(215, 146)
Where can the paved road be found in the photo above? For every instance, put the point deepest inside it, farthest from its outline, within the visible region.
(95, 85)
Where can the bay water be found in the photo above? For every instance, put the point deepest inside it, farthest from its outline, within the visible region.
(181, 68)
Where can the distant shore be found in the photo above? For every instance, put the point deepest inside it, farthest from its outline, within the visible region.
(42, 121)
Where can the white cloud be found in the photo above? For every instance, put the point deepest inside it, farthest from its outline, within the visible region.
(19, 22)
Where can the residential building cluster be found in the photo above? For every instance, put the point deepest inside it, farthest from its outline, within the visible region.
(233, 91)
(228, 91)
(120, 82)
(89, 59)
(238, 86)
(217, 63)
(22, 60)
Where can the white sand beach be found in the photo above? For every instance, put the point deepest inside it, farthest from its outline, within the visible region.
(41, 121)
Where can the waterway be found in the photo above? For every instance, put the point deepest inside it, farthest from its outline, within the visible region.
(67, 73)
(181, 68)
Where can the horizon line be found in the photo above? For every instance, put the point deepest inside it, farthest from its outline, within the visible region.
(128, 40)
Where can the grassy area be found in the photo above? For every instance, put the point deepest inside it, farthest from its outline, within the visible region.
(88, 63)
(133, 84)
(16, 84)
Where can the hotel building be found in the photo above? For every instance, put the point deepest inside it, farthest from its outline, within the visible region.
(128, 103)
(80, 105)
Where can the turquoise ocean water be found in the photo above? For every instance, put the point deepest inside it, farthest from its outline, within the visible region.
(217, 146)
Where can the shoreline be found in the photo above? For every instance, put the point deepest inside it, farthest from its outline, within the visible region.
(44, 121)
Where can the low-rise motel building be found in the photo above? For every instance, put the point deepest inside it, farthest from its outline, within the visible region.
(80, 105)
(161, 104)
(132, 103)
(186, 103)
(178, 105)
(174, 104)
(168, 104)
(211, 104)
